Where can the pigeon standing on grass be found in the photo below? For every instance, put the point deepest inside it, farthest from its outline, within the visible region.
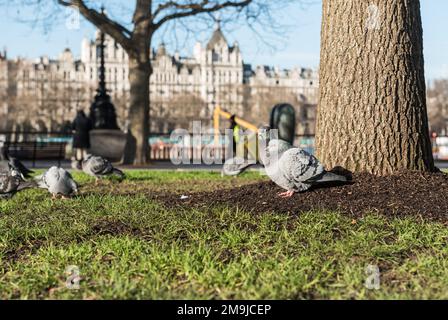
(292, 168)
(99, 167)
(12, 182)
(57, 181)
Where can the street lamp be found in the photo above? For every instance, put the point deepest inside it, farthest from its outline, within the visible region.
(106, 139)
(102, 111)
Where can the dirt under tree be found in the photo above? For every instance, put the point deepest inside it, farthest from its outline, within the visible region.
(407, 193)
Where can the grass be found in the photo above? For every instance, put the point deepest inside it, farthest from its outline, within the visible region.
(128, 247)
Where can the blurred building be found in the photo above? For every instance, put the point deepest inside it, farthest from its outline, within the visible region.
(437, 104)
(45, 94)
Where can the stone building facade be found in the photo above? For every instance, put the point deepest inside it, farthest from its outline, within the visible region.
(45, 94)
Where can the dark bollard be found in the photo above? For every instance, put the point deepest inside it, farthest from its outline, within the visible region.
(283, 118)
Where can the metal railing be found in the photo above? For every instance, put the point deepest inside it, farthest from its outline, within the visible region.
(35, 146)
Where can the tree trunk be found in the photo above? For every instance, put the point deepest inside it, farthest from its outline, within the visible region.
(372, 104)
(139, 73)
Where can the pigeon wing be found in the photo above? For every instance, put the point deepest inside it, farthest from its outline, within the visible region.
(100, 166)
(299, 166)
(60, 181)
(8, 184)
(49, 179)
(41, 180)
(70, 182)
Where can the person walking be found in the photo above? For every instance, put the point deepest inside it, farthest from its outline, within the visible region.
(235, 133)
(81, 127)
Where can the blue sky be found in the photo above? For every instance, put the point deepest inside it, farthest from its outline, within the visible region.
(299, 48)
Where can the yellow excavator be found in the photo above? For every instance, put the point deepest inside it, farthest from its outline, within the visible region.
(218, 113)
(250, 144)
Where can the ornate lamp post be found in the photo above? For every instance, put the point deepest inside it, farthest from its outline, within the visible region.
(106, 138)
(102, 111)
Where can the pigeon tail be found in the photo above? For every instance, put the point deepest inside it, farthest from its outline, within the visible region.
(27, 185)
(330, 177)
(118, 173)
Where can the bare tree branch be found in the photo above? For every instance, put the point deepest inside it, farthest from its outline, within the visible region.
(192, 9)
(102, 22)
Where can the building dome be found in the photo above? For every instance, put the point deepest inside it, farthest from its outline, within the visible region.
(217, 39)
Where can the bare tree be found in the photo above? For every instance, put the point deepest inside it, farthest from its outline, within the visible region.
(150, 16)
(372, 108)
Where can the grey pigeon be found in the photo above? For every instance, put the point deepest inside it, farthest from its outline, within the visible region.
(7, 163)
(292, 168)
(57, 181)
(12, 182)
(99, 167)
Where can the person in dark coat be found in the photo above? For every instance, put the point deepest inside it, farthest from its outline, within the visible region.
(81, 127)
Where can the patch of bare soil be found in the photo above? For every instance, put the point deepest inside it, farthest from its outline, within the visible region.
(404, 194)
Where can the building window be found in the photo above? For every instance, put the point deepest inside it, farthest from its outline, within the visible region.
(215, 56)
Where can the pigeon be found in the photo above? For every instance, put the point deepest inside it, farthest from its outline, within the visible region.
(57, 181)
(12, 182)
(7, 163)
(98, 167)
(292, 168)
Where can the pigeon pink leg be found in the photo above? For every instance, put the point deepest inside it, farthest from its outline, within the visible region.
(287, 194)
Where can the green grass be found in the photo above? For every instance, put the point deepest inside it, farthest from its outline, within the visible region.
(127, 246)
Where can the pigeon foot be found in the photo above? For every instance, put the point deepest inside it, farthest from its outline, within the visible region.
(287, 194)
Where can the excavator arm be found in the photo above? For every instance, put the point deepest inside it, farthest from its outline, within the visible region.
(218, 113)
(251, 143)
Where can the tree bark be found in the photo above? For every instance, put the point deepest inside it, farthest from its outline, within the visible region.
(372, 104)
(139, 74)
